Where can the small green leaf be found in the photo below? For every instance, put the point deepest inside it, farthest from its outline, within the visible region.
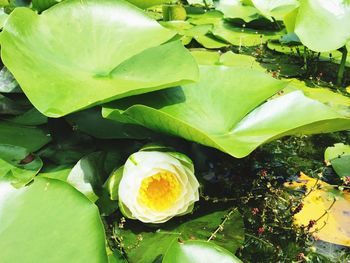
(18, 165)
(31, 138)
(41, 5)
(31, 117)
(236, 9)
(244, 36)
(339, 156)
(86, 176)
(113, 181)
(196, 251)
(91, 122)
(147, 3)
(155, 243)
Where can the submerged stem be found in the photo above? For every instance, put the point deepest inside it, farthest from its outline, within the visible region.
(341, 70)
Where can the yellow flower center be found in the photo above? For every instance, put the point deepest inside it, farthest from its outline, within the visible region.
(160, 191)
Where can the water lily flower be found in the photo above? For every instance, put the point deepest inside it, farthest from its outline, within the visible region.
(156, 186)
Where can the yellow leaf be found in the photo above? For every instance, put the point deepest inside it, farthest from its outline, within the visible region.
(327, 208)
(347, 89)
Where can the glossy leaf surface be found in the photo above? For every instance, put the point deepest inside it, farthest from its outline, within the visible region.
(323, 25)
(223, 111)
(49, 220)
(198, 252)
(84, 61)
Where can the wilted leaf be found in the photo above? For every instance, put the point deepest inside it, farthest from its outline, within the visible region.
(326, 210)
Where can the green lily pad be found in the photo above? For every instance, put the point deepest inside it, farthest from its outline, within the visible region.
(153, 243)
(200, 2)
(86, 176)
(31, 138)
(201, 33)
(275, 8)
(323, 25)
(147, 3)
(333, 99)
(59, 172)
(18, 165)
(196, 251)
(236, 9)
(30, 117)
(339, 157)
(222, 111)
(298, 51)
(243, 36)
(41, 5)
(212, 17)
(91, 122)
(107, 50)
(49, 220)
(205, 57)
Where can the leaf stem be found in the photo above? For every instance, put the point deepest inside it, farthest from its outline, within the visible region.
(278, 27)
(341, 70)
(221, 226)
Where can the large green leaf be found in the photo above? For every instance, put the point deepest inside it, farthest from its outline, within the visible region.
(103, 50)
(197, 251)
(31, 138)
(222, 111)
(18, 165)
(153, 243)
(49, 221)
(323, 25)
